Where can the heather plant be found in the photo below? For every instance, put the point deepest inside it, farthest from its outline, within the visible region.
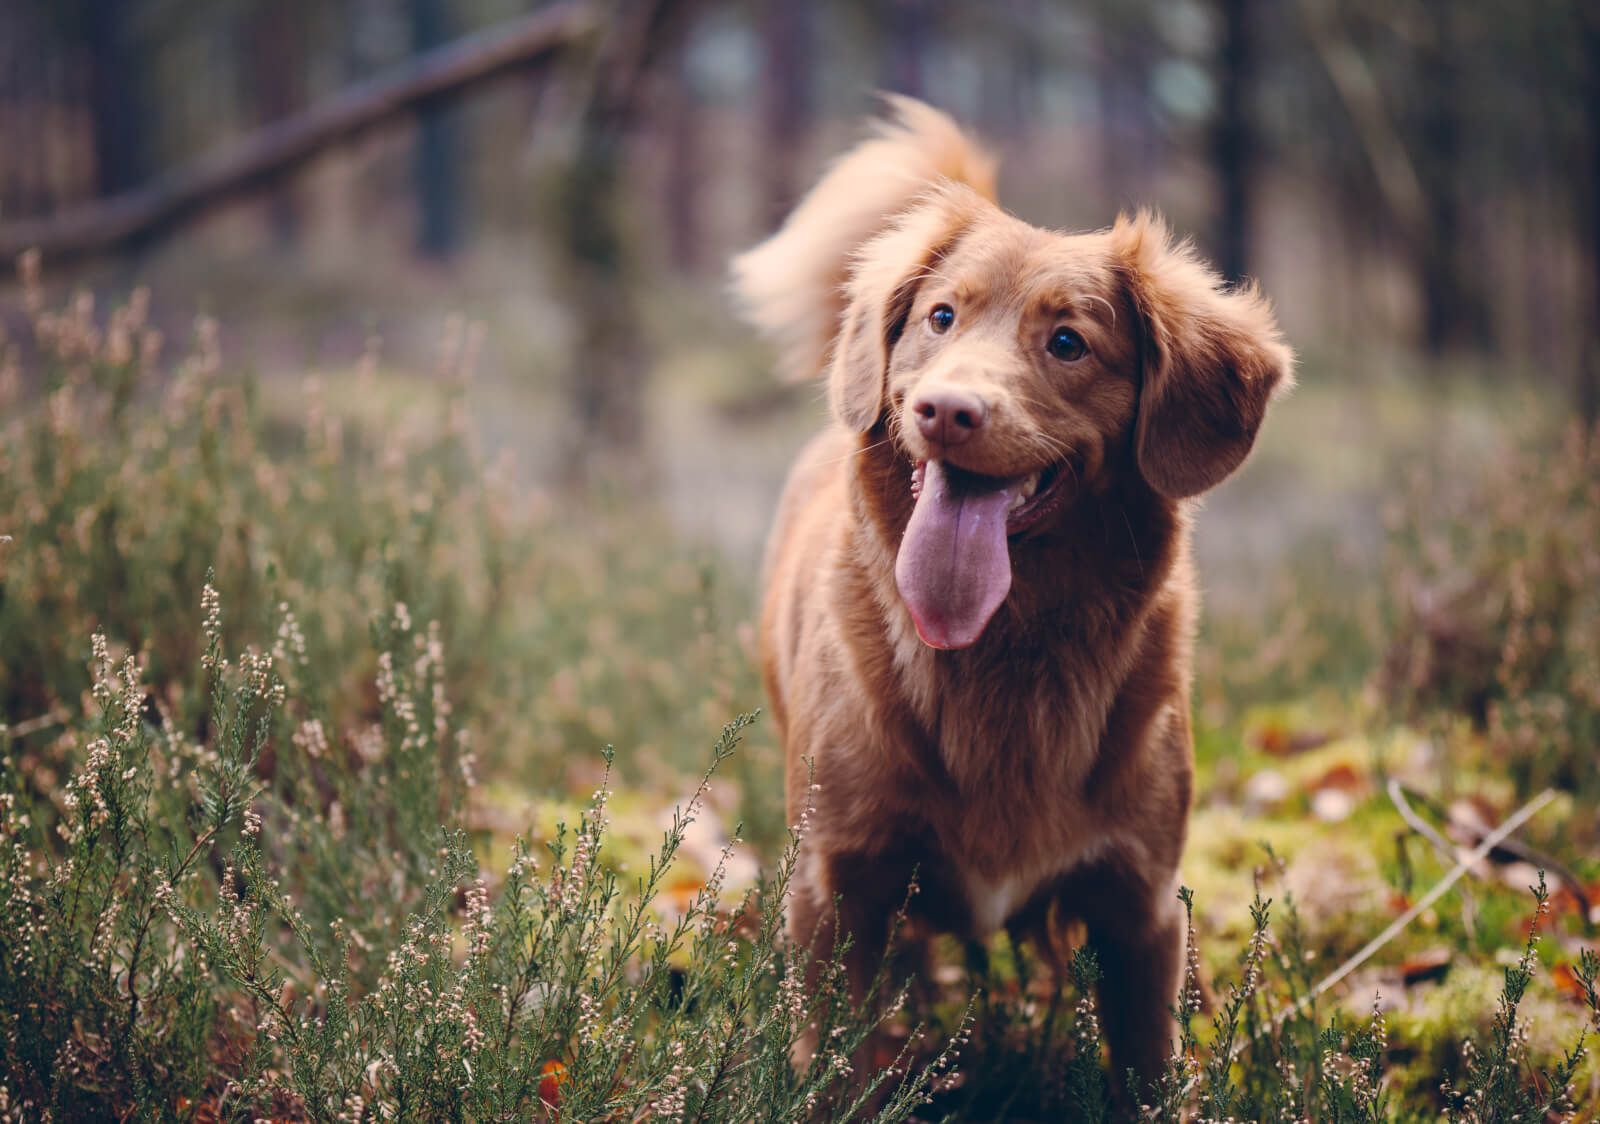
(258, 859)
(1263, 1045)
(157, 957)
(1493, 1087)
(1495, 607)
(1269, 1056)
(130, 469)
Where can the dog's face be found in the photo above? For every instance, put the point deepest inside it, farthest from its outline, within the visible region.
(1018, 360)
(1017, 368)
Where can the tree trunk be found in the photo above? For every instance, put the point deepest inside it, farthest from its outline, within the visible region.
(906, 31)
(117, 95)
(607, 379)
(786, 31)
(273, 52)
(1234, 140)
(437, 160)
(1127, 127)
(1453, 315)
(26, 80)
(685, 174)
(1588, 396)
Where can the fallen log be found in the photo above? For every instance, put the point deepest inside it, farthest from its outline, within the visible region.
(277, 149)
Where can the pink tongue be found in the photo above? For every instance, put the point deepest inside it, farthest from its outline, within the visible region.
(954, 567)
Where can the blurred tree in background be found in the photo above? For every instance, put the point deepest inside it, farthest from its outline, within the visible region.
(607, 371)
(1421, 174)
(438, 157)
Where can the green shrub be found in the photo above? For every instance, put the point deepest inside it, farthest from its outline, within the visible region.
(1494, 589)
(247, 867)
(166, 944)
(123, 483)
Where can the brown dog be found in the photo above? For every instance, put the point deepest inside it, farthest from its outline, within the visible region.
(980, 604)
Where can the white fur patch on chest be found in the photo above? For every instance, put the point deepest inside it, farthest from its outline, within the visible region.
(991, 902)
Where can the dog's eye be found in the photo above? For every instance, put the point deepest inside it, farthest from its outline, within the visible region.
(941, 317)
(1067, 345)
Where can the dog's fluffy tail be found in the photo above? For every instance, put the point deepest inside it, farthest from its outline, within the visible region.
(791, 286)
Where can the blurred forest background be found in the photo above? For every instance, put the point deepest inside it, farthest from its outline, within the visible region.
(355, 302)
(1414, 182)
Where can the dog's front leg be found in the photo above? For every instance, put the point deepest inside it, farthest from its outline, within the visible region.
(1140, 947)
(841, 913)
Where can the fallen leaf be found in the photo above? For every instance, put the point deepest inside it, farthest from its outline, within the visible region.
(1279, 740)
(679, 894)
(1430, 964)
(552, 1075)
(1344, 777)
(1519, 875)
(1564, 898)
(1470, 819)
(1569, 986)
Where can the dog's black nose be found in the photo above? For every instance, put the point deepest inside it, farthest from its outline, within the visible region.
(949, 417)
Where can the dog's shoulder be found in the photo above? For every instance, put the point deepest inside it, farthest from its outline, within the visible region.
(805, 530)
(815, 486)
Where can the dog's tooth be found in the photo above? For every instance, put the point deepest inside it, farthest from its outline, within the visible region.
(1030, 485)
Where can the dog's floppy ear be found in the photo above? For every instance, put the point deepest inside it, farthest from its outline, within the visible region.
(883, 283)
(1212, 359)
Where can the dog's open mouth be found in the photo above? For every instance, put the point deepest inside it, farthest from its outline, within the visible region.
(954, 565)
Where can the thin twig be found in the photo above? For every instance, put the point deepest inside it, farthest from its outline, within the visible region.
(1397, 797)
(1490, 841)
(1516, 848)
(1447, 850)
(1357, 86)
(1493, 839)
(34, 725)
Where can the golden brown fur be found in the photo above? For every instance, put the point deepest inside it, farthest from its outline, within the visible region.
(1047, 766)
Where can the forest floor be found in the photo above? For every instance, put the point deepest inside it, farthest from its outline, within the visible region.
(338, 485)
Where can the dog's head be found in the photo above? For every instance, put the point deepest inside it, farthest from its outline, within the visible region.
(1019, 369)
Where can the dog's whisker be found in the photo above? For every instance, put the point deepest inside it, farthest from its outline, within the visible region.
(1041, 438)
(1058, 449)
(1076, 482)
(1029, 401)
(856, 452)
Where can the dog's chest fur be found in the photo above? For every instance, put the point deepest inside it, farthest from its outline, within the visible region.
(1058, 741)
(1012, 800)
